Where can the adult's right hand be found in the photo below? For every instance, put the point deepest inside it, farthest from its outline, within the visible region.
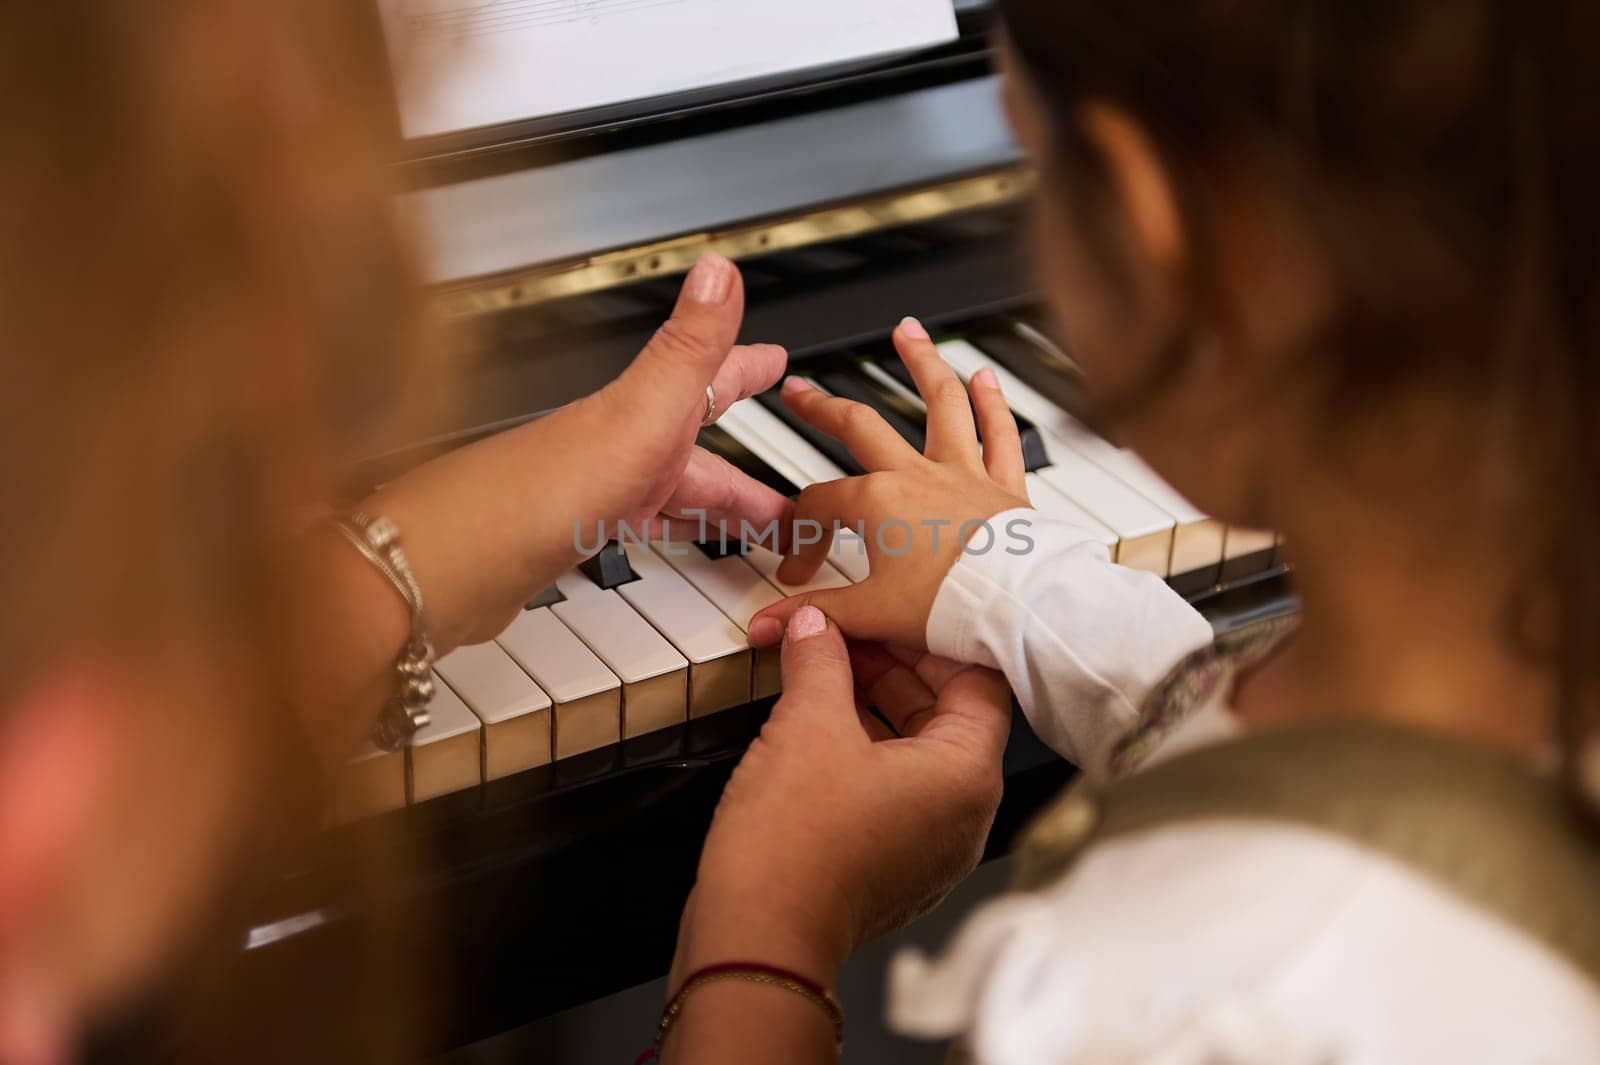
(836, 827)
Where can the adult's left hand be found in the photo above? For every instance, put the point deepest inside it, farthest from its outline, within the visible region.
(491, 525)
(837, 827)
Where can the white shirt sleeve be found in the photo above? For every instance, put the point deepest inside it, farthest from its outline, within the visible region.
(1080, 639)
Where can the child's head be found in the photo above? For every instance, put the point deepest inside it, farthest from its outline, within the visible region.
(1339, 255)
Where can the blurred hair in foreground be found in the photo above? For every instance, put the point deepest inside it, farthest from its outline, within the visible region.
(204, 308)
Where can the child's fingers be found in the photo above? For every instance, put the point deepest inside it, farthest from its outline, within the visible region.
(974, 711)
(858, 610)
(816, 512)
(860, 428)
(1002, 444)
(951, 434)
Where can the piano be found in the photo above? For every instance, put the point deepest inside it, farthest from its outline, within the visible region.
(549, 820)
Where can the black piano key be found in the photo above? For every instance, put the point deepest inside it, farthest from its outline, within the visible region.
(846, 379)
(1034, 454)
(720, 548)
(724, 542)
(1038, 366)
(610, 568)
(821, 441)
(720, 442)
(549, 597)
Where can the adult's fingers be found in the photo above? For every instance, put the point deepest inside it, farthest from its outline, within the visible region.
(816, 672)
(750, 369)
(896, 690)
(951, 434)
(875, 727)
(714, 491)
(817, 511)
(974, 712)
(940, 674)
(663, 392)
(1002, 444)
(933, 671)
(872, 441)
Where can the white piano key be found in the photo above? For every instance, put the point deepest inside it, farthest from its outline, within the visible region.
(1144, 531)
(516, 712)
(778, 445)
(762, 426)
(1241, 542)
(1053, 504)
(793, 456)
(588, 697)
(446, 754)
(655, 689)
(736, 589)
(1197, 538)
(718, 650)
(730, 583)
(766, 563)
(373, 782)
(1247, 552)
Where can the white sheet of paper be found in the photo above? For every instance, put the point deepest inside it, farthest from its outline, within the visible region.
(470, 63)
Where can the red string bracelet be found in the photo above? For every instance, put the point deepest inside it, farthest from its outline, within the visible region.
(752, 972)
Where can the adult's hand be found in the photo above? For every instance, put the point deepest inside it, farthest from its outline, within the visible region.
(491, 525)
(836, 826)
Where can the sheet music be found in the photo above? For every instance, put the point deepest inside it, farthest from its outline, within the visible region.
(468, 63)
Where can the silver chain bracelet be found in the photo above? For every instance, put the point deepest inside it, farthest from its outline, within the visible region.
(378, 540)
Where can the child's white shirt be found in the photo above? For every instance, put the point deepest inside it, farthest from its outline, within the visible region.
(1210, 943)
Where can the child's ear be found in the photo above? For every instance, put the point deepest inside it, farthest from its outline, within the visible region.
(62, 742)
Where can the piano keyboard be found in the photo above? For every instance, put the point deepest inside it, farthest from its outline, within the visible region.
(587, 667)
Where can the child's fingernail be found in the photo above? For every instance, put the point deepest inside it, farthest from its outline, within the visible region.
(710, 281)
(806, 623)
(766, 632)
(912, 329)
(794, 385)
(985, 378)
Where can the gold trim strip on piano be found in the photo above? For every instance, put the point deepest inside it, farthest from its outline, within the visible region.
(504, 292)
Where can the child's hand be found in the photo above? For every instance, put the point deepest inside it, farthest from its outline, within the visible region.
(913, 507)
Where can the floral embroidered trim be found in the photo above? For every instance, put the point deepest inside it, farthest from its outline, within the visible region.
(1192, 683)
